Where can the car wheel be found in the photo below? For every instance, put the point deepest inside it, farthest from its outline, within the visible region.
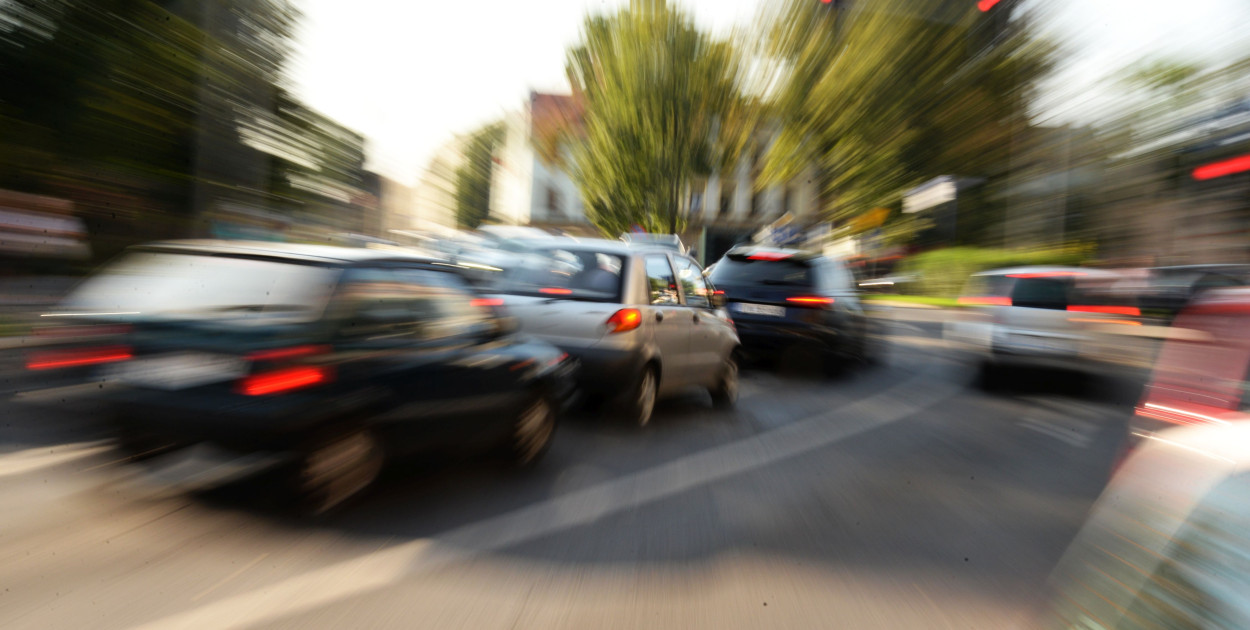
(533, 431)
(335, 468)
(725, 392)
(641, 403)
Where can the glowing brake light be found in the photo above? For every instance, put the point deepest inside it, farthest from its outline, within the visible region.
(287, 353)
(486, 302)
(718, 292)
(74, 358)
(284, 380)
(624, 320)
(1131, 311)
(768, 256)
(810, 300)
(1220, 169)
(985, 300)
(555, 291)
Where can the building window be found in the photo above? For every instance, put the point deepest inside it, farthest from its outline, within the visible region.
(726, 200)
(553, 201)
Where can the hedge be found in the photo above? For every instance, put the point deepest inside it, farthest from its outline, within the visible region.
(944, 272)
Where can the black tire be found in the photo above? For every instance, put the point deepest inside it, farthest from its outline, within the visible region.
(639, 406)
(725, 392)
(337, 466)
(532, 432)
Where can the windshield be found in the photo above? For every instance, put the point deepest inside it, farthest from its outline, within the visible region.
(791, 273)
(162, 284)
(566, 274)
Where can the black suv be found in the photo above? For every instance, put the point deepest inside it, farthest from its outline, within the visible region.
(328, 359)
(788, 303)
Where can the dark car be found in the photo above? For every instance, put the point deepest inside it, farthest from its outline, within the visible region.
(1169, 289)
(792, 303)
(335, 359)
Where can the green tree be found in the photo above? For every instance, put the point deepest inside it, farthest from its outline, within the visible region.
(660, 96)
(882, 95)
(473, 176)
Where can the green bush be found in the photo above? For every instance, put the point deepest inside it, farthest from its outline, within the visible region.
(943, 272)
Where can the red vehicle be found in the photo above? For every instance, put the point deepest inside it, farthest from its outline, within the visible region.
(1200, 377)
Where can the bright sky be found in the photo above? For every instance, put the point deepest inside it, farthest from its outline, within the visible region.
(410, 74)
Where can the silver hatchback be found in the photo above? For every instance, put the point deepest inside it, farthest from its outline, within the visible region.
(643, 322)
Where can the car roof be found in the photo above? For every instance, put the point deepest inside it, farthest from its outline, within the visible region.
(1057, 270)
(786, 252)
(606, 246)
(293, 251)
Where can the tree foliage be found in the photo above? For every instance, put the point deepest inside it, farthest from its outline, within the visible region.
(882, 95)
(473, 176)
(659, 95)
(112, 102)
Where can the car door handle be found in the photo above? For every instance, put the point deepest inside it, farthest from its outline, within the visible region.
(659, 316)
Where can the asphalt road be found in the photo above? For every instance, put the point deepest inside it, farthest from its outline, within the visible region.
(904, 496)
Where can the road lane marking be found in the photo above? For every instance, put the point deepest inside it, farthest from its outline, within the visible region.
(30, 460)
(387, 567)
(233, 575)
(1078, 436)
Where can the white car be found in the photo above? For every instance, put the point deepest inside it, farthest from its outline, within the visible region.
(1058, 317)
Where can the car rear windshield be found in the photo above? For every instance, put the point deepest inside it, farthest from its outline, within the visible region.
(1048, 291)
(164, 284)
(566, 274)
(791, 273)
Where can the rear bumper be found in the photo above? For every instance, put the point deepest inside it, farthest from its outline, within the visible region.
(605, 370)
(764, 339)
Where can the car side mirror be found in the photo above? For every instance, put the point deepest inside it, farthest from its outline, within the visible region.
(718, 300)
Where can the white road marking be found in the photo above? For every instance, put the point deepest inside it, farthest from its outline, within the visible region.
(1080, 435)
(33, 459)
(389, 566)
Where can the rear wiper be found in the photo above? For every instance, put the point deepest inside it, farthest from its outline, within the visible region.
(782, 283)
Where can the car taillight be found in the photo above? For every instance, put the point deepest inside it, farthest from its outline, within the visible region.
(810, 300)
(1131, 311)
(287, 353)
(52, 359)
(487, 302)
(624, 320)
(985, 300)
(769, 256)
(284, 380)
(556, 291)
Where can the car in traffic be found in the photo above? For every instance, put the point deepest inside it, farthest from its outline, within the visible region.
(1201, 374)
(791, 303)
(1166, 544)
(642, 322)
(332, 360)
(1169, 289)
(1053, 317)
(666, 241)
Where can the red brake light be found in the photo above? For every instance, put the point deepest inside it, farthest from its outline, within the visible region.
(1131, 311)
(1220, 169)
(624, 320)
(284, 380)
(768, 256)
(53, 359)
(287, 353)
(718, 292)
(985, 300)
(810, 300)
(555, 291)
(986, 5)
(487, 302)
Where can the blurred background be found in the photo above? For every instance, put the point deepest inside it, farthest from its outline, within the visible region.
(1043, 207)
